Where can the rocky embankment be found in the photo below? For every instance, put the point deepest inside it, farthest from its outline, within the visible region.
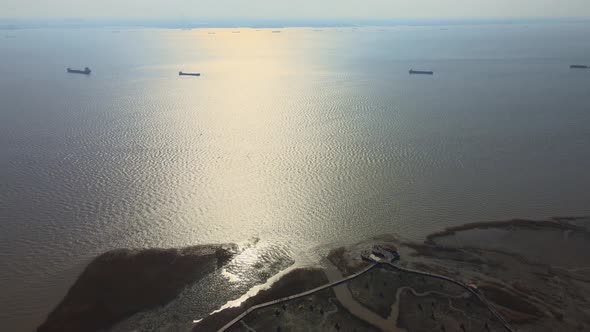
(122, 282)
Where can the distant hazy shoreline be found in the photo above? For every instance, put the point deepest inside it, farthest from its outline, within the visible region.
(193, 23)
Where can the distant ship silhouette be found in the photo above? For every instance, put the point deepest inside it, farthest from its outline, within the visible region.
(180, 73)
(423, 72)
(86, 71)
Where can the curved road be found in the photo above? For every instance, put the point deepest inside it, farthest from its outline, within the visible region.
(399, 268)
(296, 296)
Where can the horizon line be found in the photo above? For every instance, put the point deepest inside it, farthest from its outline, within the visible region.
(204, 22)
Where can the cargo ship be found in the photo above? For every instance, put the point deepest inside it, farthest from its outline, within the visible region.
(188, 74)
(423, 72)
(579, 66)
(86, 71)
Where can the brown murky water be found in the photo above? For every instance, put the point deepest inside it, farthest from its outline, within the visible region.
(297, 138)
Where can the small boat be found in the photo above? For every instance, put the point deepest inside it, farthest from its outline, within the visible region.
(423, 72)
(579, 67)
(188, 74)
(86, 71)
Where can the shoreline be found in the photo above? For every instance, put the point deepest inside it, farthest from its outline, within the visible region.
(430, 256)
(504, 297)
(561, 223)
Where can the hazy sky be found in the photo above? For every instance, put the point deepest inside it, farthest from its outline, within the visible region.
(291, 8)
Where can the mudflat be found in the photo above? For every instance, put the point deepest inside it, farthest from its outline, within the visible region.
(122, 282)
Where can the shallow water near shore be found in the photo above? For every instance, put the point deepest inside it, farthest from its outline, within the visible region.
(299, 139)
(569, 249)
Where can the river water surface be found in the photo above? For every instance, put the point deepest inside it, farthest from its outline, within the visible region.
(289, 140)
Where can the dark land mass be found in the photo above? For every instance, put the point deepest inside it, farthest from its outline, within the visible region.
(558, 223)
(122, 282)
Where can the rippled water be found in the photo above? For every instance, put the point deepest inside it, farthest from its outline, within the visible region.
(298, 138)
